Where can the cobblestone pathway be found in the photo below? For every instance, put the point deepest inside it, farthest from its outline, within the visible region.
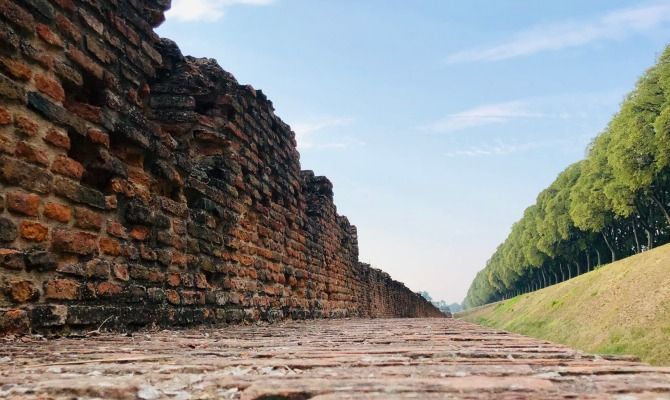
(337, 359)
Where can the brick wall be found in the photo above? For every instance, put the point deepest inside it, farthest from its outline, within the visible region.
(139, 186)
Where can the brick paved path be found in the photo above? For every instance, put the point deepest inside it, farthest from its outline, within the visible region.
(337, 359)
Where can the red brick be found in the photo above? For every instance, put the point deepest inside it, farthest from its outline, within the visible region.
(271, 290)
(84, 110)
(50, 87)
(99, 50)
(201, 281)
(111, 202)
(147, 274)
(179, 226)
(25, 126)
(24, 203)
(179, 259)
(120, 272)
(66, 26)
(16, 69)
(139, 177)
(122, 186)
(133, 97)
(17, 15)
(85, 62)
(73, 191)
(69, 73)
(189, 297)
(48, 35)
(34, 231)
(97, 136)
(66, 166)
(7, 146)
(116, 229)
(95, 268)
(57, 212)
(62, 289)
(31, 154)
(92, 22)
(45, 59)
(57, 138)
(140, 232)
(246, 260)
(5, 116)
(22, 291)
(126, 30)
(66, 4)
(187, 279)
(147, 253)
(151, 52)
(11, 259)
(108, 289)
(30, 177)
(76, 242)
(14, 321)
(173, 279)
(129, 251)
(172, 296)
(110, 246)
(87, 219)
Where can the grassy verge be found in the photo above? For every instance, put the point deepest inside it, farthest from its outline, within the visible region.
(621, 308)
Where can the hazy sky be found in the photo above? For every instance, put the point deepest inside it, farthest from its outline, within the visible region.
(438, 122)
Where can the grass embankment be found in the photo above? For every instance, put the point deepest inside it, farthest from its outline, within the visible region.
(620, 308)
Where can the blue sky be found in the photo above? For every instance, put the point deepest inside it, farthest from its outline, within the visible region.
(438, 121)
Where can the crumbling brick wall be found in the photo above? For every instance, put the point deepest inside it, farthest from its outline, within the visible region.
(139, 186)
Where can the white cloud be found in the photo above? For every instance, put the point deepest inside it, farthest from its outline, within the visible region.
(206, 10)
(613, 25)
(306, 132)
(482, 115)
(498, 149)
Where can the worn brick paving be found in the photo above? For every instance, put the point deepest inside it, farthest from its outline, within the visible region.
(327, 359)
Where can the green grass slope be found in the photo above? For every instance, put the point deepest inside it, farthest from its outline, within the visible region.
(620, 308)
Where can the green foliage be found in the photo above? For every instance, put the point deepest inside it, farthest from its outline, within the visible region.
(612, 204)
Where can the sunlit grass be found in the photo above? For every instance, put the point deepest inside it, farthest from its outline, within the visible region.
(621, 308)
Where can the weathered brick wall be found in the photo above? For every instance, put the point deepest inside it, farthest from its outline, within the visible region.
(139, 186)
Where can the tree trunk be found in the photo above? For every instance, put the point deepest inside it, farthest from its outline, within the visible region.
(637, 242)
(579, 271)
(544, 278)
(609, 246)
(598, 255)
(647, 225)
(560, 266)
(661, 206)
(588, 261)
(567, 265)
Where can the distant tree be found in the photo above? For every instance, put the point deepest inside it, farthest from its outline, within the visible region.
(425, 295)
(455, 307)
(616, 201)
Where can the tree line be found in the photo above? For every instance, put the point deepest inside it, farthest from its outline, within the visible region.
(610, 205)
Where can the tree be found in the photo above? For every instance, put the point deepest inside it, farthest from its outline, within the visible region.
(616, 200)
